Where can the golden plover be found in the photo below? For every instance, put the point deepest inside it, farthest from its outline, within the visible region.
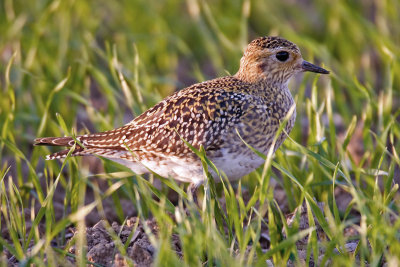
(211, 114)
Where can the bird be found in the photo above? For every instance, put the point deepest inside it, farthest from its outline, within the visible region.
(224, 116)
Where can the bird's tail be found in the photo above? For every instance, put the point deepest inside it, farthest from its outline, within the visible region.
(104, 144)
(61, 141)
(54, 141)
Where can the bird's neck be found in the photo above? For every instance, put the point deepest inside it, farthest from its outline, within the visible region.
(256, 74)
(262, 85)
(250, 72)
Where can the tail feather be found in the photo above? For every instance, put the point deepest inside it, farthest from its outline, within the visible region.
(109, 139)
(61, 154)
(107, 144)
(108, 153)
(54, 141)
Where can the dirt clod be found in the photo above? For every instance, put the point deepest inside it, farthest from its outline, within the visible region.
(140, 255)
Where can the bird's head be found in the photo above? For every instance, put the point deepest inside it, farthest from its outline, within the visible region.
(274, 60)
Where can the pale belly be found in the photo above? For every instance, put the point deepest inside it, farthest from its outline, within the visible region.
(235, 166)
(232, 165)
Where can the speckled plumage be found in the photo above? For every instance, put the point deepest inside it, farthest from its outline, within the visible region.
(209, 114)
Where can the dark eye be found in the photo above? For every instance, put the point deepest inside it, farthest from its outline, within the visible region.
(282, 56)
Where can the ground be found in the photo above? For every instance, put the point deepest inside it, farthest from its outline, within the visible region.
(102, 249)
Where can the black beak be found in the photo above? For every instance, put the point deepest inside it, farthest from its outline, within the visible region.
(307, 66)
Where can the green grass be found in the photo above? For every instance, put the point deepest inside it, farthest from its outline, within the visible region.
(67, 67)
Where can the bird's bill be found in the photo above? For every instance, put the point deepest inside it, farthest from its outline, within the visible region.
(307, 66)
